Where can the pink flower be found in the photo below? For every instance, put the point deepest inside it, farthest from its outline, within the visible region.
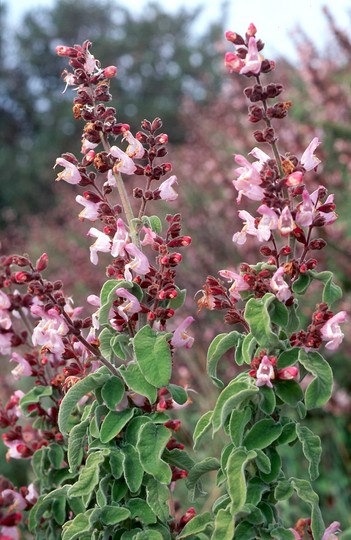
(280, 288)
(308, 159)
(285, 222)
(130, 306)
(294, 179)
(239, 284)
(90, 64)
(139, 264)
(70, 173)
(23, 368)
(50, 330)
(249, 179)
(5, 304)
(248, 228)
(135, 148)
(94, 300)
(331, 331)
(5, 343)
(149, 237)
(329, 217)
(253, 59)
(87, 146)
(296, 534)
(180, 337)
(9, 533)
(288, 373)
(233, 63)
(167, 193)
(120, 239)
(265, 373)
(125, 164)
(14, 499)
(267, 223)
(91, 209)
(102, 243)
(329, 531)
(305, 210)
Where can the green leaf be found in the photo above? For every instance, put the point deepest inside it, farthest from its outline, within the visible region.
(153, 355)
(245, 531)
(113, 424)
(78, 391)
(152, 441)
(157, 497)
(59, 510)
(140, 510)
(238, 354)
(132, 431)
(155, 224)
(199, 469)
(263, 462)
(305, 493)
(311, 447)
(319, 390)
(248, 347)
(236, 481)
(288, 358)
(56, 455)
(105, 337)
(294, 321)
(219, 346)
(224, 525)
(283, 490)
(196, 525)
(136, 381)
(276, 464)
(237, 424)
(267, 402)
(132, 468)
(89, 476)
(202, 426)
(179, 458)
(32, 397)
(331, 291)
(288, 433)
(302, 283)
(289, 392)
(279, 313)
(178, 301)
(77, 528)
(282, 534)
(178, 393)
(255, 489)
(37, 512)
(116, 462)
(110, 515)
(262, 434)
(76, 443)
(112, 392)
(232, 397)
(120, 345)
(257, 315)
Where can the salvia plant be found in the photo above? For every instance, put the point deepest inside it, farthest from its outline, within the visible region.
(98, 422)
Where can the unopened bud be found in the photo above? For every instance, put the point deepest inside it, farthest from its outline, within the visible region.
(62, 50)
(251, 31)
(156, 124)
(294, 179)
(110, 72)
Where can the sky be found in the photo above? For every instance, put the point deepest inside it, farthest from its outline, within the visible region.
(278, 18)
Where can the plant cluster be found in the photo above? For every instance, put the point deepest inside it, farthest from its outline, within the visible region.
(98, 423)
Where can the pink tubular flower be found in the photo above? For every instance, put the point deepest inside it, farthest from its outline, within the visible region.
(139, 264)
(70, 173)
(329, 217)
(238, 283)
(253, 59)
(149, 237)
(249, 179)
(167, 193)
(329, 531)
(135, 148)
(288, 373)
(5, 343)
(102, 243)
(180, 337)
(5, 304)
(268, 222)
(265, 373)
(331, 331)
(305, 210)
(120, 239)
(285, 222)
(125, 164)
(233, 63)
(248, 228)
(294, 179)
(130, 306)
(87, 146)
(90, 211)
(279, 286)
(308, 160)
(50, 330)
(90, 63)
(23, 368)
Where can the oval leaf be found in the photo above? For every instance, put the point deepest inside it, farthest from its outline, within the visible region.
(319, 390)
(262, 434)
(236, 480)
(113, 424)
(153, 355)
(219, 346)
(152, 441)
(257, 315)
(311, 447)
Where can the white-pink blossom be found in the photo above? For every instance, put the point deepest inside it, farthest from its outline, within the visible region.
(135, 148)
(331, 331)
(5, 343)
(308, 159)
(130, 306)
(102, 243)
(305, 210)
(329, 531)
(149, 236)
(268, 222)
(139, 264)
(265, 373)
(49, 331)
(253, 59)
(70, 172)
(120, 239)
(125, 164)
(288, 373)
(238, 283)
(248, 228)
(180, 337)
(286, 223)
(91, 209)
(167, 193)
(23, 368)
(5, 304)
(280, 287)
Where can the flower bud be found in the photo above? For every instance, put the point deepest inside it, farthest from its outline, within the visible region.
(62, 50)
(42, 262)
(110, 72)
(156, 124)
